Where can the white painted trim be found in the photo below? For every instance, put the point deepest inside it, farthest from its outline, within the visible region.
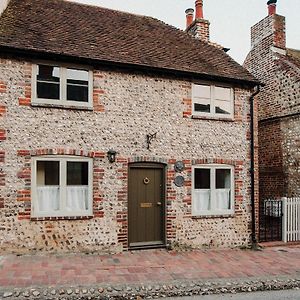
(63, 183)
(212, 102)
(213, 168)
(62, 102)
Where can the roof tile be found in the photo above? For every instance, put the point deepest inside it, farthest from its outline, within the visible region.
(72, 29)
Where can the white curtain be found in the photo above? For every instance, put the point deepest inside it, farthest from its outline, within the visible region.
(202, 200)
(223, 199)
(48, 198)
(77, 198)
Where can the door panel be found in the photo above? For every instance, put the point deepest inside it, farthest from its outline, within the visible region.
(146, 206)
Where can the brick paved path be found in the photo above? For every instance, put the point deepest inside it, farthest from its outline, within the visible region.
(147, 267)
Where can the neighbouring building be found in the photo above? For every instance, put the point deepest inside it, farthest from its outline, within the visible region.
(119, 132)
(278, 68)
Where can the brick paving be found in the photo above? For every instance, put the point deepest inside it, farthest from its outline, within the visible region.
(149, 266)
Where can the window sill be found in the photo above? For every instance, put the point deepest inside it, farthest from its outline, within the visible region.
(62, 106)
(61, 218)
(214, 118)
(231, 215)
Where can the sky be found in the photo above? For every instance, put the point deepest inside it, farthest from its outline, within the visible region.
(230, 20)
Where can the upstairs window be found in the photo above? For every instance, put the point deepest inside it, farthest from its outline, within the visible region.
(212, 100)
(213, 190)
(61, 187)
(62, 86)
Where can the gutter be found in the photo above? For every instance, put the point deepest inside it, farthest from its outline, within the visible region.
(252, 167)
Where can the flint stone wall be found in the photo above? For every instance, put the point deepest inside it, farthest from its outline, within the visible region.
(132, 105)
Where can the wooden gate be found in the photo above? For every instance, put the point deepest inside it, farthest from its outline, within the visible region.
(291, 219)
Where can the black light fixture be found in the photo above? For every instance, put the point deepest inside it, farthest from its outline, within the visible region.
(111, 155)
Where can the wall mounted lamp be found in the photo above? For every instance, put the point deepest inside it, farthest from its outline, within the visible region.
(111, 155)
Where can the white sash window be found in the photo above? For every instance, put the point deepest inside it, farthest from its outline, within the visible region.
(58, 85)
(61, 186)
(212, 101)
(212, 190)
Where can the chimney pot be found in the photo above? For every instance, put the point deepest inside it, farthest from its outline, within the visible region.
(272, 7)
(189, 16)
(199, 9)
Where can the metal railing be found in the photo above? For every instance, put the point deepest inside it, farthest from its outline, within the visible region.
(270, 225)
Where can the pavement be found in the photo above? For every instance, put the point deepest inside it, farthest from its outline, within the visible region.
(148, 272)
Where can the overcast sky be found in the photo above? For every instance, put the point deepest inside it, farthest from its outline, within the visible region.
(230, 19)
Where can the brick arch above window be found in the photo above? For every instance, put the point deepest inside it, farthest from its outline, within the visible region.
(219, 161)
(61, 151)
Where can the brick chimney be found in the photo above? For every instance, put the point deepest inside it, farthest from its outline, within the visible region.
(199, 28)
(3, 5)
(270, 31)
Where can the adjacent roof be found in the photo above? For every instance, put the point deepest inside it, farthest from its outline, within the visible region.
(290, 62)
(90, 32)
(294, 55)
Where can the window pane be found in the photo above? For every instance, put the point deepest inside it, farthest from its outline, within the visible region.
(77, 85)
(202, 179)
(202, 200)
(201, 91)
(222, 93)
(48, 191)
(47, 173)
(222, 107)
(48, 82)
(77, 93)
(223, 179)
(77, 198)
(77, 173)
(202, 105)
(223, 199)
(223, 186)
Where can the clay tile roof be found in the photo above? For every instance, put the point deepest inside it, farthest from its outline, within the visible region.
(104, 35)
(294, 55)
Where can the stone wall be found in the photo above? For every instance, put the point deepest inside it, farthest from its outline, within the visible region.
(127, 107)
(278, 110)
(291, 154)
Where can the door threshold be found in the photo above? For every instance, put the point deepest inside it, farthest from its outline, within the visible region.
(146, 245)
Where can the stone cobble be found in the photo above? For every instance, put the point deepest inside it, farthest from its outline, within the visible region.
(177, 288)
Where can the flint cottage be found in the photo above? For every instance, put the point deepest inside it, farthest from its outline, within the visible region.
(120, 132)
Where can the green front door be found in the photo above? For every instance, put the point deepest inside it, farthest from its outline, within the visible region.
(146, 203)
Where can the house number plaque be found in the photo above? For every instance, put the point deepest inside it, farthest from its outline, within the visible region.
(146, 205)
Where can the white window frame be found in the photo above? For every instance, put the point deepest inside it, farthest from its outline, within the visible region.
(212, 101)
(62, 184)
(62, 101)
(213, 210)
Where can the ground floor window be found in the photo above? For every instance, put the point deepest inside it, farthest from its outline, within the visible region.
(213, 190)
(61, 186)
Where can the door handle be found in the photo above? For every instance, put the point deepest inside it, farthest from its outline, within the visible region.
(159, 203)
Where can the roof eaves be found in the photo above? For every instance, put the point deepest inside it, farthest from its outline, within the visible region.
(36, 54)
